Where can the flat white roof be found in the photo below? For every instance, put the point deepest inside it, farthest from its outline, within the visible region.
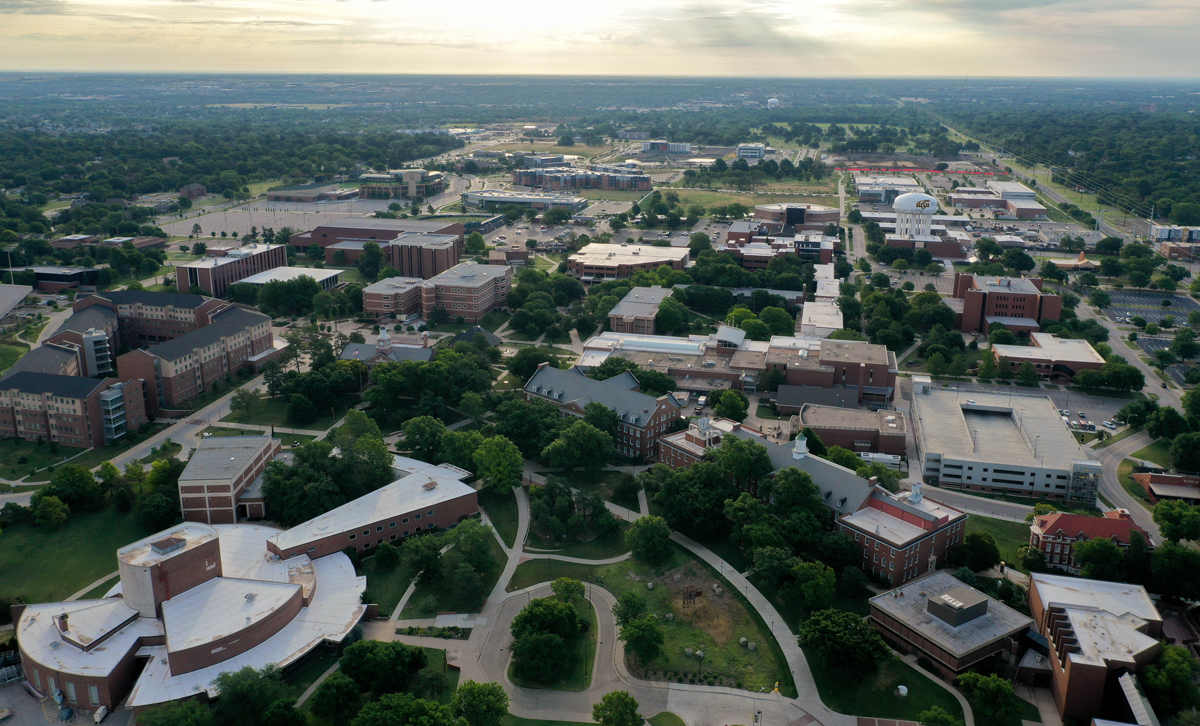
(393, 285)
(611, 254)
(821, 314)
(1105, 616)
(291, 273)
(426, 488)
(827, 289)
(143, 554)
(823, 272)
(884, 526)
(1048, 346)
(38, 630)
(219, 608)
(224, 457)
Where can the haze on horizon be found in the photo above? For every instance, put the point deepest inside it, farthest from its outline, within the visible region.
(762, 38)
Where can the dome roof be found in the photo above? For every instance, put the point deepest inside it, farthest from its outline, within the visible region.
(915, 202)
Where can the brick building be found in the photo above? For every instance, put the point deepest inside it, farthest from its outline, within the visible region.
(1096, 632)
(801, 217)
(951, 625)
(1160, 485)
(637, 310)
(1057, 534)
(223, 267)
(1017, 302)
(413, 254)
(467, 290)
(426, 500)
(1052, 357)
(149, 317)
(594, 177)
(184, 367)
(856, 429)
(193, 191)
(641, 418)
(378, 230)
(904, 536)
(70, 410)
(868, 369)
(610, 262)
(222, 483)
(402, 184)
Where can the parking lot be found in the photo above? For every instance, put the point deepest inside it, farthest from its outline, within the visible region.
(1150, 345)
(1148, 305)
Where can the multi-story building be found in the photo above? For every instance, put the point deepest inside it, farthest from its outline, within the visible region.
(415, 254)
(641, 418)
(467, 290)
(798, 216)
(610, 262)
(637, 310)
(595, 177)
(855, 429)
(53, 278)
(376, 230)
(903, 536)
(145, 317)
(865, 370)
(59, 359)
(193, 191)
(183, 368)
(385, 350)
(755, 244)
(402, 184)
(1051, 356)
(1018, 303)
(883, 189)
(222, 268)
(1000, 443)
(431, 498)
(751, 151)
(326, 279)
(665, 147)
(1057, 534)
(1160, 485)
(312, 193)
(541, 201)
(70, 410)
(222, 483)
(949, 624)
(1097, 633)
(819, 319)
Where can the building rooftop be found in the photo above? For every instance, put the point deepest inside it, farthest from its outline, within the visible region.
(1107, 617)
(232, 256)
(425, 239)
(152, 299)
(51, 384)
(1009, 186)
(897, 531)
(11, 296)
(397, 353)
(91, 317)
(855, 350)
(823, 314)
(150, 551)
(1046, 345)
(988, 283)
(387, 225)
(46, 358)
(471, 273)
(623, 254)
(391, 285)
(909, 604)
(1117, 528)
(841, 490)
(228, 322)
(425, 488)
(223, 457)
(888, 422)
(284, 274)
(997, 428)
(219, 608)
(641, 302)
(824, 397)
(563, 387)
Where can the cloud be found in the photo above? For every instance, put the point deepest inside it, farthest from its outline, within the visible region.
(32, 7)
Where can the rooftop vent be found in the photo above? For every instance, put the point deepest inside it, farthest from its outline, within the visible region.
(168, 545)
(250, 596)
(429, 485)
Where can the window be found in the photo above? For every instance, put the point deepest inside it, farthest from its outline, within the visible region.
(391, 525)
(417, 517)
(404, 521)
(37, 680)
(405, 531)
(366, 545)
(94, 695)
(70, 691)
(431, 525)
(366, 532)
(392, 538)
(379, 528)
(352, 537)
(429, 513)
(312, 549)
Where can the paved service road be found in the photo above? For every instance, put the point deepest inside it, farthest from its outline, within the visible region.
(1110, 458)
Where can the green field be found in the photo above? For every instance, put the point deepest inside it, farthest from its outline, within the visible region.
(98, 591)
(666, 718)
(36, 457)
(1159, 452)
(593, 549)
(1125, 476)
(385, 587)
(273, 412)
(873, 694)
(533, 572)
(43, 564)
(612, 195)
(1009, 536)
(288, 440)
(10, 354)
(502, 511)
(579, 675)
(439, 597)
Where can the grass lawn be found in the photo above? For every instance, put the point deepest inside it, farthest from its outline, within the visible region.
(764, 411)
(506, 382)
(435, 658)
(510, 720)
(532, 572)
(733, 555)
(578, 676)
(594, 549)
(429, 600)
(1009, 536)
(98, 591)
(43, 564)
(1116, 437)
(10, 354)
(273, 412)
(1125, 476)
(666, 718)
(95, 457)
(1159, 452)
(603, 484)
(289, 440)
(611, 195)
(36, 457)
(873, 695)
(493, 320)
(385, 587)
(502, 511)
(310, 669)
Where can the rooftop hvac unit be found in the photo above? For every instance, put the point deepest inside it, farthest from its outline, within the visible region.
(429, 485)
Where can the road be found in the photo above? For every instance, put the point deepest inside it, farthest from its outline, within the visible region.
(1110, 458)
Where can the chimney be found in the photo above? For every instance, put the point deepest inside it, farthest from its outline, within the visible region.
(62, 623)
(915, 498)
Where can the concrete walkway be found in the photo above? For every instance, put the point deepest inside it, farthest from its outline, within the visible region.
(92, 586)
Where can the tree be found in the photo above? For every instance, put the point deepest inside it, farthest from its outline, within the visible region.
(247, 694)
(629, 607)
(424, 557)
(816, 584)
(580, 445)
(525, 363)
(1175, 572)
(336, 696)
(731, 404)
(244, 399)
(936, 365)
(1027, 374)
(644, 638)
(843, 641)
(180, 713)
(50, 512)
(499, 462)
(600, 416)
(649, 539)
(843, 457)
(480, 704)
(382, 667)
(1167, 423)
(472, 406)
(475, 244)
(1100, 299)
(937, 716)
(745, 460)
(387, 556)
(617, 709)
(370, 260)
(1185, 452)
(982, 552)
(405, 709)
(1168, 682)
(992, 698)
(1100, 559)
(1177, 520)
(567, 589)
(423, 435)
(1039, 509)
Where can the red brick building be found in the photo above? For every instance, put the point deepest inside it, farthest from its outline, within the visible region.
(1057, 534)
(379, 230)
(866, 369)
(611, 262)
(69, 410)
(223, 267)
(222, 482)
(1160, 486)
(153, 317)
(1051, 357)
(905, 536)
(1017, 302)
(856, 429)
(467, 290)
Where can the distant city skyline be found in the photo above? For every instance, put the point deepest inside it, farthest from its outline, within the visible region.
(759, 38)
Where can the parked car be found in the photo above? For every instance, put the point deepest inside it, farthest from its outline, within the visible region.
(1109, 425)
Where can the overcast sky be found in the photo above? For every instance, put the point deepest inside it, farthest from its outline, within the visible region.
(626, 37)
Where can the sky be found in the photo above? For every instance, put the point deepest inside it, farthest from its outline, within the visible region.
(759, 38)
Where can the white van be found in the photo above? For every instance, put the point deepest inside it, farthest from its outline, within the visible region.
(701, 402)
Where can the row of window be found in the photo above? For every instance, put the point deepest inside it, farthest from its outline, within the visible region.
(391, 525)
(72, 696)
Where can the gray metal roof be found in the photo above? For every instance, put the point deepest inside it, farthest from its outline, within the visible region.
(468, 336)
(563, 387)
(61, 386)
(228, 322)
(800, 395)
(93, 316)
(43, 359)
(842, 490)
(162, 299)
(641, 302)
(367, 351)
(11, 296)
(222, 457)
